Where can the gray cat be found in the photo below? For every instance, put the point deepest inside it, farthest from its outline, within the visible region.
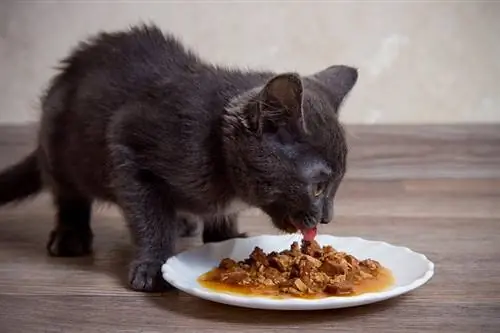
(136, 119)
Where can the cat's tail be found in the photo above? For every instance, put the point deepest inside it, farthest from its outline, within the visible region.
(20, 180)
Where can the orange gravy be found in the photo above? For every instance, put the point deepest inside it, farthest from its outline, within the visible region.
(383, 281)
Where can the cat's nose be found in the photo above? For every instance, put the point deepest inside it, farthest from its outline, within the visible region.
(327, 217)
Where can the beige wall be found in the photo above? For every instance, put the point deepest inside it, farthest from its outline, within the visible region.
(419, 62)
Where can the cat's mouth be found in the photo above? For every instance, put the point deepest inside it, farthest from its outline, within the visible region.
(289, 224)
(308, 233)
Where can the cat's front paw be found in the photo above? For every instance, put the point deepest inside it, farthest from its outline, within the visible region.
(69, 242)
(145, 275)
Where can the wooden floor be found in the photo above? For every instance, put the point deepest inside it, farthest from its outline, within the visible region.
(433, 189)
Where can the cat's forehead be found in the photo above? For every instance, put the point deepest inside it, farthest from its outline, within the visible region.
(325, 132)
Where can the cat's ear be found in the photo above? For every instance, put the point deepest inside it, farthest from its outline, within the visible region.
(280, 101)
(339, 80)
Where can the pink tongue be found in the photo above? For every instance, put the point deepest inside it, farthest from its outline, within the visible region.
(309, 234)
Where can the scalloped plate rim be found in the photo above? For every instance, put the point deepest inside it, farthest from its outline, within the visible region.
(261, 302)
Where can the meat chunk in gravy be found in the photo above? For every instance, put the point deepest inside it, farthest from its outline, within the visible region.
(306, 269)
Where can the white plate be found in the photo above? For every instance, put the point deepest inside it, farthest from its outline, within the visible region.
(410, 269)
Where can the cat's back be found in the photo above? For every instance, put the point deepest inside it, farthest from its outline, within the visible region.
(109, 70)
(140, 88)
(144, 48)
(101, 77)
(108, 73)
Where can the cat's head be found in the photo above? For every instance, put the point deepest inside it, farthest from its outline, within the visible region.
(285, 148)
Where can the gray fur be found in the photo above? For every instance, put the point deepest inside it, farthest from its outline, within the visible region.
(135, 119)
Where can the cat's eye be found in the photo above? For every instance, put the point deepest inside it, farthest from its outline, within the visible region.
(318, 189)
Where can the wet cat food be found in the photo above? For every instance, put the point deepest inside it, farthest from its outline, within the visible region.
(307, 270)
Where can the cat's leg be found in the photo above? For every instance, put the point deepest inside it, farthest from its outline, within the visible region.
(72, 235)
(154, 228)
(221, 228)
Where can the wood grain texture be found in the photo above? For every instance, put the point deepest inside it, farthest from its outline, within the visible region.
(428, 188)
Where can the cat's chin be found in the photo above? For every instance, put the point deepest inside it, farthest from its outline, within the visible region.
(308, 233)
(288, 224)
(285, 225)
(291, 227)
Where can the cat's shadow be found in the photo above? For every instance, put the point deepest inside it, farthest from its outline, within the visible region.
(113, 254)
(113, 249)
(175, 301)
